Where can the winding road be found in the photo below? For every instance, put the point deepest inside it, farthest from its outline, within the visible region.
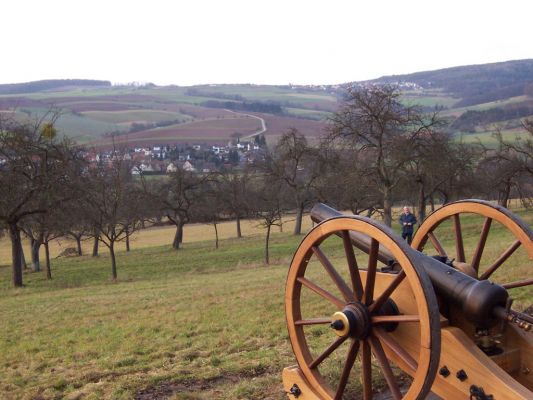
(260, 131)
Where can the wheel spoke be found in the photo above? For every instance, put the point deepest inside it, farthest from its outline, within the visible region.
(396, 348)
(332, 347)
(322, 292)
(357, 286)
(387, 319)
(371, 274)
(435, 242)
(350, 359)
(313, 321)
(481, 244)
(385, 367)
(505, 255)
(511, 285)
(366, 370)
(459, 248)
(337, 279)
(374, 307)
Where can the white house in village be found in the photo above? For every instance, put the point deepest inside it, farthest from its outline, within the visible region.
(187, 166)
(171, 168)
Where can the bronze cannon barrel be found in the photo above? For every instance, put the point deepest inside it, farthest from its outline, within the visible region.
(477, 299)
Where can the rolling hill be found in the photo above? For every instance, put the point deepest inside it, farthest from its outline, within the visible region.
(474, 99)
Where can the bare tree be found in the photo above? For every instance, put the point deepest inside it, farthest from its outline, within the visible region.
(267, 201)
(346, 184)
(509, 167)
(44, 228)
(298, 166)
(374, 121)
(438, 163)
(233, 191)
(177, 196)
(33, 164)
(210, 206)
(113, 204)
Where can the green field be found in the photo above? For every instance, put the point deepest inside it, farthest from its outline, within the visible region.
(489, 140)
(197, 318)
(429, 100)
(78, 127)
(486, 106)
(311, 114)
(141, 116)
(199, 323)
(91, 112)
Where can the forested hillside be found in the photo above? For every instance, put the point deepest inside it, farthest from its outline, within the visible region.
(475, 84)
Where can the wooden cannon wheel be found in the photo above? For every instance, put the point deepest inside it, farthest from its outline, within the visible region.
(360, 311)
(476, 266)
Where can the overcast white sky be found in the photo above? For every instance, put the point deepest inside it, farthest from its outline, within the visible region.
(269, 41)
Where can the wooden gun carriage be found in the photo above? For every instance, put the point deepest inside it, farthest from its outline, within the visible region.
(425, 323)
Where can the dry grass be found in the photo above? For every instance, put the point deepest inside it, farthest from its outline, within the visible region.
(157, 236)
(199, 323)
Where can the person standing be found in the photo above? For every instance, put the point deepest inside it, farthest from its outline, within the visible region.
(407, 221)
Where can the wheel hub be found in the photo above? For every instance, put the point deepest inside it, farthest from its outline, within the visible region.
(353, 320)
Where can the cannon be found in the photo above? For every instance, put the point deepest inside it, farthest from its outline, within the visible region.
(370, 317)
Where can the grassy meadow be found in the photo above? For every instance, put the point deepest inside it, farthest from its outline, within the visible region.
(197, 323)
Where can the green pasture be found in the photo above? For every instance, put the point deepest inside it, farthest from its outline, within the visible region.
(75, 126)
(485, 106)
(199, 318)
(197, 323)
(305, 113)
(84, 129)
(269, 93)
(488, 139)
(121, 117)
(80, 92)
(430, 101)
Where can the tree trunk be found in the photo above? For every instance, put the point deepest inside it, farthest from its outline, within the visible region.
(35, 262)
(95, 245)
(48, 268)
(421, 203)
(432, 202)
(504, 195)
(16, 256)
(216, 234)
(299, 217)
(127, 240)
(239, 233)
(22, 256)
(267, 259)
(78, 245)
(387, 207)
(176, 241)
(113, 260)
(181, 233)
(178, 236)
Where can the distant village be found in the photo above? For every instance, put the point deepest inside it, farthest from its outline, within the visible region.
(201, 158)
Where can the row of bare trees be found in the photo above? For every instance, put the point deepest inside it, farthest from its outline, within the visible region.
(50, 191)
(377, 152)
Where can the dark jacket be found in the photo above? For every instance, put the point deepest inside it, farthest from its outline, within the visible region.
(407, 221)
